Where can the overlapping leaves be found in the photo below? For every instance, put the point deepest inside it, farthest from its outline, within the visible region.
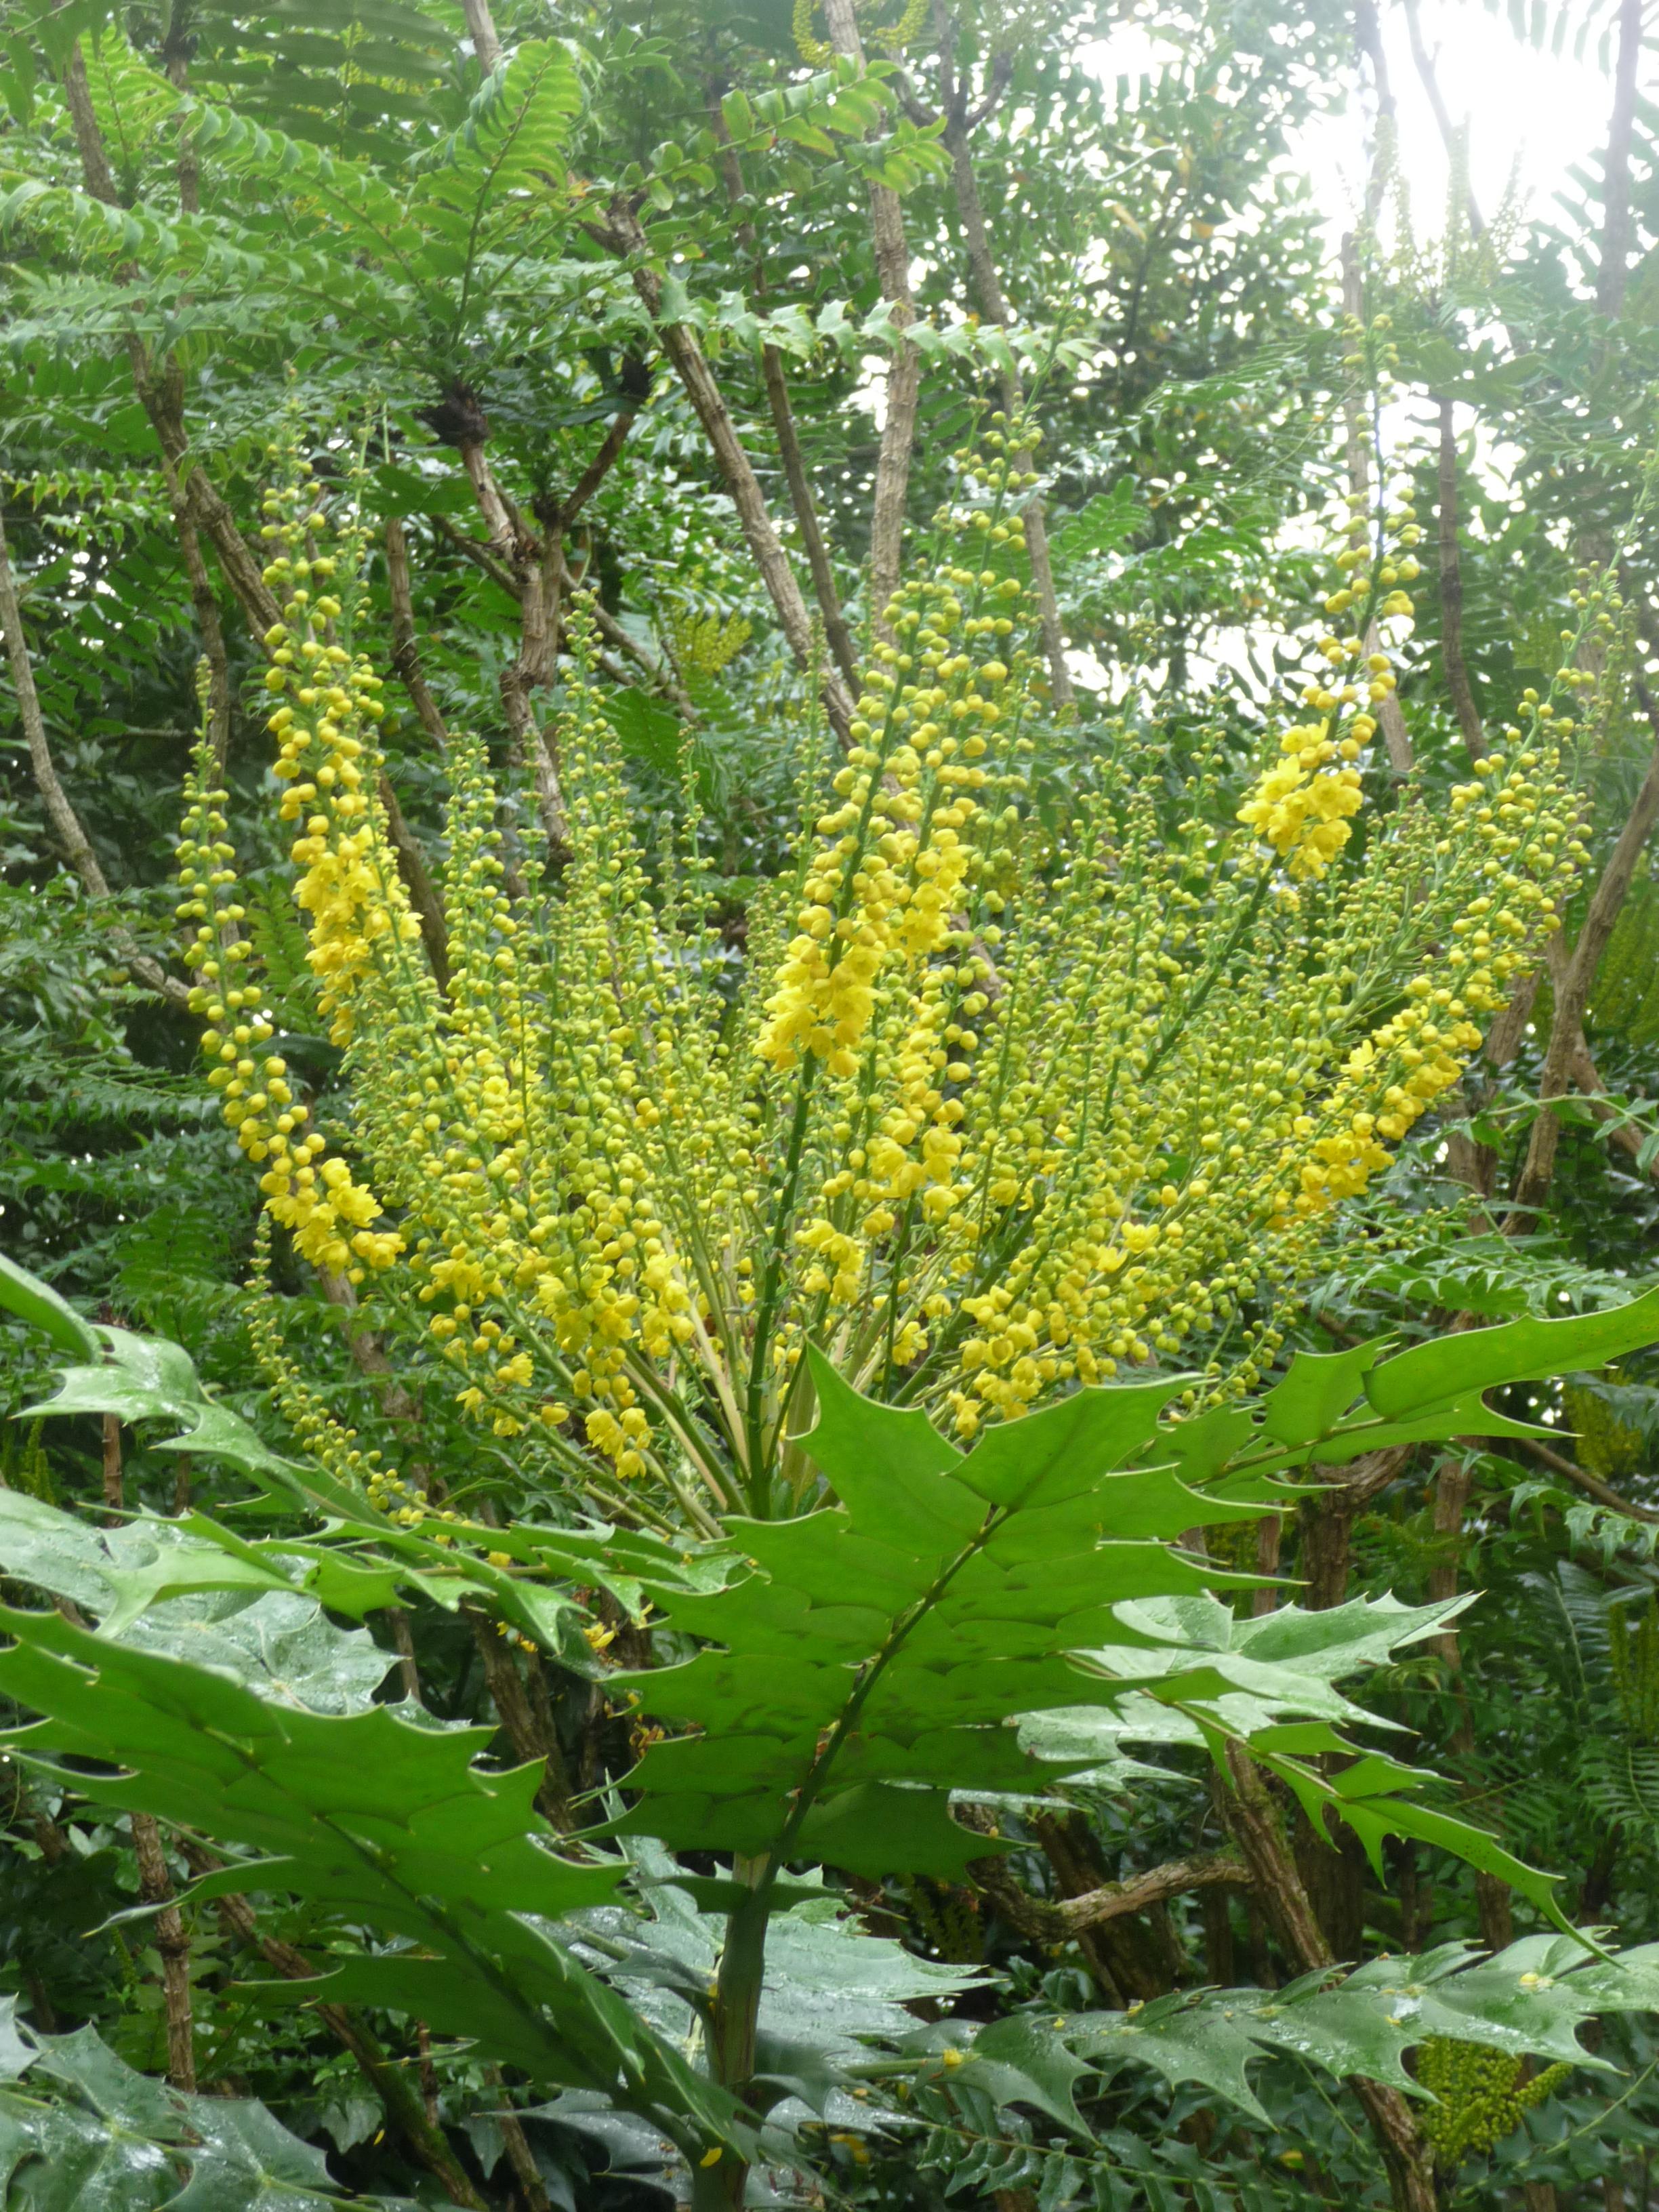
(1529, 2000)
(81, 2132)
(871, 1664)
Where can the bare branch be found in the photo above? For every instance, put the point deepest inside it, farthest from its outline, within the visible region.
(622, 235)
(1587, 1078)
(479, 556)
(898, 431)
(156, 1886)
(1256, 1824)
(387, 2078)
(1396, 738)
(1451, 591)
(66, 823)
(597, 468)
(88, 139)
(657, 673)
(417, 882)
(527, 1717)
(1155, 1887)
(406, 653)
(175, 59)
(1592, 1484)
(1423, 62)
(837, 635)
(481, 29)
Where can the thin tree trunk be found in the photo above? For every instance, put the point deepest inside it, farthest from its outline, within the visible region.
(65, 822)
(519, 2156)
(1429, 77)
(1255, 1822)
(1451, 593)
(99, 177)
(114, 1483)
(175, 58)
(525, 1716)
(623, 234)
(388, 2080)
(898, 430)
(481, 29)
(837, 635)
(155, 1885)
(406, 651)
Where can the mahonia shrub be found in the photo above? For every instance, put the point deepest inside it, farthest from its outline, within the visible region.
(997, 1106)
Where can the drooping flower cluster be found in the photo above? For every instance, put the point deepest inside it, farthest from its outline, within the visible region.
(1304, 804)
(309, 1188)
(1013, 1095)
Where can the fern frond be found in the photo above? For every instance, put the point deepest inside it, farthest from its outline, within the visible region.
(516, 124)
(1620, 1777)
(133, 103)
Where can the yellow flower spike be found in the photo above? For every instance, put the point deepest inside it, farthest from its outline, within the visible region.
(999, 1105)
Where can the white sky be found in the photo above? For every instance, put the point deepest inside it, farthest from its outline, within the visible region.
(1532, 117)
(1528, 110)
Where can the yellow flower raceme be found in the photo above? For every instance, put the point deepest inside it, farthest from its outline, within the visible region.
(1010, 1095)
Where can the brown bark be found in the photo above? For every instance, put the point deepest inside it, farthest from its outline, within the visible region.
(898, 432)
(95, 170)
(1269, 1534)
(1592, 1484)
(198, 503)
(1092, 1908)
(1587, 1078)
(1256, 1826)
(519, 551)
(65, 822)
(406, 651)
(1616, 229)
(402, 1643)
(162, 397)
(155, 1886)
(1220, 1968)
(525, 1715)
(1473, 1163)
(114, 1486)
(1451, 1496)
(387, 2079)
(368, 1353)
(519, 2156)
(175, 59)
(417, 882)
(1132, 1956)
(1451, 593)
(623, 236)
(837, 635)
(1326, 1522)
(481, 29)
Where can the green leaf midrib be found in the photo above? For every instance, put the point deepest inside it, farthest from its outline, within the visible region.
(869, 1674)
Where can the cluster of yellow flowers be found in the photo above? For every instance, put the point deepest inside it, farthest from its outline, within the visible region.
(1010, 1095)
(1302, 805)
(310, 1190)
